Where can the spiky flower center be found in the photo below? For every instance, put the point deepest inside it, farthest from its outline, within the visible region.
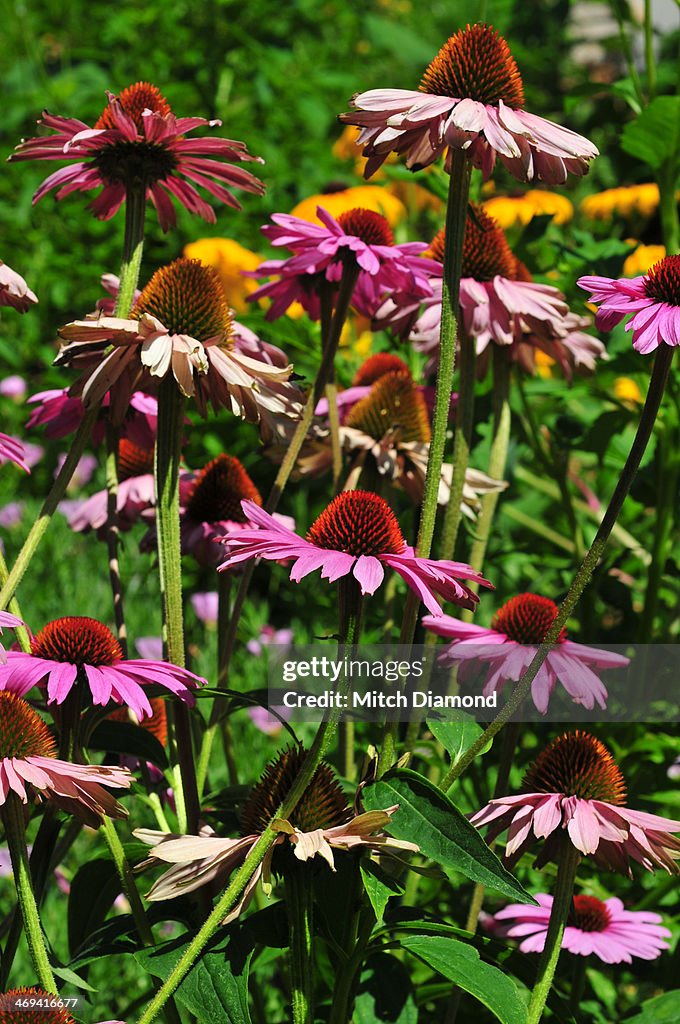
(663, 281)
(369, 226)
(475, 64)
(393, 404)
(157, 724)
(22, 731)
(323, 804)
(589, 914)
(527, 618)
(12, 1010)
(218, 490)
(187, 297)
(134, 100)
(377, 366)
(577, 764)
(486, 252)
(133, 460)
(77, 640)
(359, 523)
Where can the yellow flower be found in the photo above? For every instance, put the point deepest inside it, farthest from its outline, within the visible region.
(368, 197)
(229, 259)
(626, 390)
(622, 202)
(513, 210)
(414, 196)
(345, 147)
(644, 257)
(543, 363)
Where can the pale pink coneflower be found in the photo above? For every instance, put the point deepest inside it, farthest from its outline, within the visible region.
(600, 928)
(509, 646)
(652, 301)
(575, 790)
(321, 824)
(7, 621)
(79, 651)
(357, 534)
(137, 136)
(471, 98)
(61, 414)
(14, 291)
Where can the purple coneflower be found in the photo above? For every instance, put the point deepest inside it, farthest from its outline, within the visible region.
(12, 450)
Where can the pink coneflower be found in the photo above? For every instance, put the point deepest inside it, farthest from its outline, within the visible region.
(77, 649)
(575, 785)
(601, 928)
(12, 450)
(137, 137)
(61, 414)
(509, 646)
(14, 291)
(206, 607)
(136, 492)
(14, 387)
(356, 534)
(29, 767)
(499, 303)
(321, 823)
(358, 237)
(7, 621)
(471, 98)
(180, 324)
(652, 301)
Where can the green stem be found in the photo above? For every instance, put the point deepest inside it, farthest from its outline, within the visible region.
(657, 384)
(620, 11)
(166, 468)
(113, 533)
(465, 409)
(497, 458)
(133, 247)
(562, 903)
(334, 426)
(13, 818)
(299, 904)
(20, 632)
(668, 472)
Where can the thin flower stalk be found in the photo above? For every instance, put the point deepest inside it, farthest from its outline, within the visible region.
(657, 385)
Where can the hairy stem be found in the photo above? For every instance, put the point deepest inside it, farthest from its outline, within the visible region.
(562, 902)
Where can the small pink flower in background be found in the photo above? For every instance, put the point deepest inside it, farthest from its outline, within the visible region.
(14, 291)
(321, 823)
(81, 651)
(358, 237)
(268, 636)
(356, 534)
(136, 492)
(7, 621)
(14, 387)
(601, 928)
(206, 607)
(62, 413)
(11, 514)
(12, 450)
(261, 718)
(652, 301)
(84, 471)
(575, 787)
(179, 325)
(139, 125)
(29, 768)
(150, 647)
(472, 99)
(509, 646)
(674, 770)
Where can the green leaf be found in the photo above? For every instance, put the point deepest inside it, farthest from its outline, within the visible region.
(69, 976)
(427, 817)
(379, 887)
(385, 993)
(93, 890)
(654, 136)
(456, 735)
(461, 964)
(664, 1009)
(126, 738)
(216, 988)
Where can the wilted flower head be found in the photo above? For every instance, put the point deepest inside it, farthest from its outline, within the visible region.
(79, 651)
(356, 535)
(29, 767)
(653, 300)
(179, 324)
(14, 291)
(601, 928)
(575, 789)
(138, 141)
(321, 823)
(471, 98)
(509, 647)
